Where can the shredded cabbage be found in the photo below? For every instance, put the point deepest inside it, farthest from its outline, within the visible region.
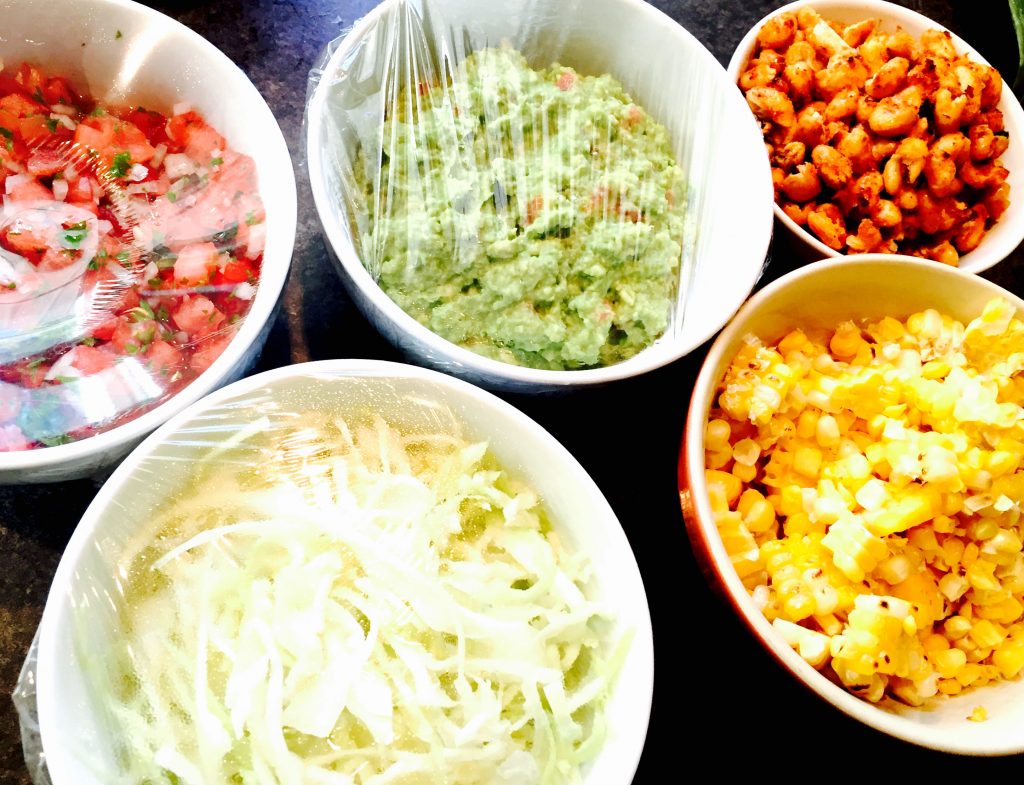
(367, 608)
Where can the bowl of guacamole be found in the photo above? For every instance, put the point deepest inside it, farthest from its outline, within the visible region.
(529, 204)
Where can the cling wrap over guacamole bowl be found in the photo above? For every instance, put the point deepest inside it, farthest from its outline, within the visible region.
(535, 217)
(512, 199)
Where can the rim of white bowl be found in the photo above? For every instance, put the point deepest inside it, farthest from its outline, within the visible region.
(990, 252)
(632, 734)
(738, 597)
(653, 357)
(273, 274)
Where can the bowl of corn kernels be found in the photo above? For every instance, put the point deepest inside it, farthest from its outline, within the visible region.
(886, 134)
(851, 477)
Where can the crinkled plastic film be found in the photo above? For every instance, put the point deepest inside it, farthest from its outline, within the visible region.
(131, 233)
(507, 190)
(325, 580)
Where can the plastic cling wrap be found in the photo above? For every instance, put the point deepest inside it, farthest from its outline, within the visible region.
(132, 230)
(512, 186)
(323, 578)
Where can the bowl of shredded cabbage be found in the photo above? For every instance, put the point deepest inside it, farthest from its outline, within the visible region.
(850, 478)
(347, 572)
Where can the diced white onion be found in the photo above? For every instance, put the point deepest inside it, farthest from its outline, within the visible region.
(63, 109)
(64, 120)
(244, 291)
(138, 173)
(257, 239)
(181, 108)
(158, 155)
(60, 189)
(178, 165)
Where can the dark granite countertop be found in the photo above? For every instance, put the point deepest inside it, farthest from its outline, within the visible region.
(710, 673)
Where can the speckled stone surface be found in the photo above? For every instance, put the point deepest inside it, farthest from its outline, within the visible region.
(709, 673)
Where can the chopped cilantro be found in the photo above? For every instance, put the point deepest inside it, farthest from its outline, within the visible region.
(155, 283)
(121, 165)
(99, 111)
(143, 312)
(118, 35)
(89, 341)
(162, 314)
(123, 258)
(166, 262)
(51, 125)
(172, 197)
(54, 441)
(94, 263)
(38, 96)
(35, 363)
(250, 218)
(216, 161)
(8, 136)
(67, 379)
(131, 347)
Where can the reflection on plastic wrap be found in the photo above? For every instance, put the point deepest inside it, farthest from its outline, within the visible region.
(130, 248)
(328, 581)
(509, 198)
(28, 718)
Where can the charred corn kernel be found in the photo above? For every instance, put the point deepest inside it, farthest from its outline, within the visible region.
(739, 544)
(949, 687)
(912, 508)
(1009, 658)
(716, 434)
(983, 529)
(826, 431)
(829, 623)
(855, 551)
(807, 462)
(934, 643)
(846, 341)
(812, 646)
(986, 634)
(760, 517)
(969, 674)
(948, 662)
(743, 473)
(895, 569)
(718, 460)
(970, 556)
(921, 590)
(731, 486)
(956, 627)
(746, 451)
(935, 369)
(1004, 612)
(806, 424)
(981, 576)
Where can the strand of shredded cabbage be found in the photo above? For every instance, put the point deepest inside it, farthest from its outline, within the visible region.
(382, 608)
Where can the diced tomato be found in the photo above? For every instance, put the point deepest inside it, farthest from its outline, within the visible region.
(164, 358)
(34, 130)
(89, 359)
(57, 91)
(92, 207)
(46, 162)
(34, 374)
(10, 403)
(29, 243)
(13, 439)
(195, 263)
(20, 106)
(152, 124)
(29, 191)
(197, 316)
(83, 189)
(110, 136)
(238, 271)
(190, 134)
(105, 330)
(31, 79)
(204, 356)
(122, 335)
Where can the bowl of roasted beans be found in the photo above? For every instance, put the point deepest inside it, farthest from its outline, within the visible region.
(851, 477)
(886, 134)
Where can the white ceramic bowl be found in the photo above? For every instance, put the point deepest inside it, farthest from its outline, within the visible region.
(664, 68)
(820, 296)
(1008, 232)
(121, 53)
(579, 512)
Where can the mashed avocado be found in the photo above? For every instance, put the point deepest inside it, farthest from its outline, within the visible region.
(531, 216)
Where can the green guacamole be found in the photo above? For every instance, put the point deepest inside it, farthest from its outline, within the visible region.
(534, 217)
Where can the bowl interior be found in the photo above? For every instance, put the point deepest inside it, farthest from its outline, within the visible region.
(1008, 232)
(123, 53)
(79, 611)
(822, 295)
(662, 66)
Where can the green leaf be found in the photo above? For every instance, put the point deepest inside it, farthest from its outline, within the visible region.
(121, 165)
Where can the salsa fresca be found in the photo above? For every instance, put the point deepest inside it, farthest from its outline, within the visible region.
(130, 249)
